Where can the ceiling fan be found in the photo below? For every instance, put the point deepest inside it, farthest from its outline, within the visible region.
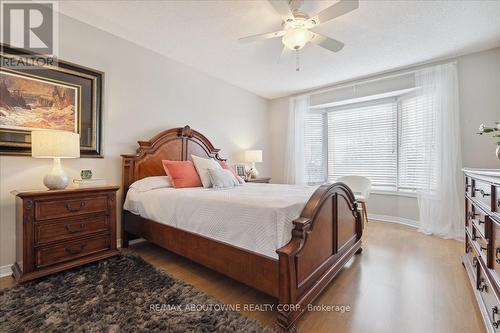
(296, 25)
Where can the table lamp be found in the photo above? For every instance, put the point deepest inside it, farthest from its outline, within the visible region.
(253, 156)
(55, 145)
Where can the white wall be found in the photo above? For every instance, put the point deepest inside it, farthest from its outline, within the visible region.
(144, 93)
(479, 85)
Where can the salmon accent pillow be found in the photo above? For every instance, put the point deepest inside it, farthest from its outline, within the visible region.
(181, 173)
(226, 166)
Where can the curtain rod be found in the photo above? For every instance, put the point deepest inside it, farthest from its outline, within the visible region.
(376, 77)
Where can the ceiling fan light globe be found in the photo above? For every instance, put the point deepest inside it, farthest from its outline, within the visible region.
(296, 39)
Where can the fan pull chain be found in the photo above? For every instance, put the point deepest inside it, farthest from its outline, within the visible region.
(297, 61)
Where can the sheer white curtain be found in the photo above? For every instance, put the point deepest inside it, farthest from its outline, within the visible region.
(294, 157)
(441, 198)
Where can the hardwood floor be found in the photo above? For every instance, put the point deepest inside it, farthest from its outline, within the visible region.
(403, 281)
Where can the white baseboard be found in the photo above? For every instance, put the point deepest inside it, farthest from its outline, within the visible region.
(393, 219)
(5, 270)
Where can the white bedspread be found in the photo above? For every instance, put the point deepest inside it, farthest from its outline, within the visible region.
(255, 217)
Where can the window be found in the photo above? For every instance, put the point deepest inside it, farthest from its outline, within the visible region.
(314, 138)
(415, 129)
(380, 140)
(362, 141)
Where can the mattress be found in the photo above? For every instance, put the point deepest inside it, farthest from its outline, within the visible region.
(254, 217)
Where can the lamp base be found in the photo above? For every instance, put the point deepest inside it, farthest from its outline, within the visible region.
(253, 172)
(57, 179)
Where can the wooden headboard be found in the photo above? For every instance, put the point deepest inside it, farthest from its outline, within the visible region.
(176, 144)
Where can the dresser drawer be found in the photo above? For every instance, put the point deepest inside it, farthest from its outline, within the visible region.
(50, 231)
(495, 241)
(50, 255)
(468, 186)
(471, 255)
(478, 218)
(480, 244)
(497, 201)
(482, 192)
(489, 298)
(69, 207)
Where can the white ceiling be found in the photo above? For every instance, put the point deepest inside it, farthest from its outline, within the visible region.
(379, 36)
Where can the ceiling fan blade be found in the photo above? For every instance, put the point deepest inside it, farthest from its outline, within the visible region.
(340, 8)
(327, 42)
(258, 37)
(282, 8)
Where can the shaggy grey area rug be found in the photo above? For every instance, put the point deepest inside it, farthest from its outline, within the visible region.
(115, 295)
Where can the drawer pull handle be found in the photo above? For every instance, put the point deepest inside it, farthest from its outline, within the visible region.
(480, 222)
(472, 215)
(72, 209)
(494, 311)
(484, 194)
(483, 248)
(482, 286)
(75, 251)
(72, 230)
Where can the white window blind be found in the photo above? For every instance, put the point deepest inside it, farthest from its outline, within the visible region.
(416, 128)
(362, 140)
(386, 141)
(314, 141)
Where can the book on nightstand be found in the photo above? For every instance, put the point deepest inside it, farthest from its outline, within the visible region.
(83, 183)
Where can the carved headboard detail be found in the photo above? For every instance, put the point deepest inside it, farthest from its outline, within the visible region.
(177, 144)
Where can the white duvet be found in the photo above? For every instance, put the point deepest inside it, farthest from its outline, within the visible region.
(255, 217)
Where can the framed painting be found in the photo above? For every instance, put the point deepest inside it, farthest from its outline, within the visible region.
(64, 97)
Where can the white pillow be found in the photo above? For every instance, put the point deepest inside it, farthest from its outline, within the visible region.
(151, 183)
(222, 179)
(202, 165)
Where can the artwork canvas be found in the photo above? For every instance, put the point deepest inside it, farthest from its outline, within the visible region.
(30, 103)
(61, 96)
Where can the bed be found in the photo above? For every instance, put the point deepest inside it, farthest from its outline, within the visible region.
(286, 241)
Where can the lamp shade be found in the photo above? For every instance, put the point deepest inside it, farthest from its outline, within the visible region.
(253, 156)
(55, 144)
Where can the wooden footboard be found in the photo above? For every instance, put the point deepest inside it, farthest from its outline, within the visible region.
(325, 237)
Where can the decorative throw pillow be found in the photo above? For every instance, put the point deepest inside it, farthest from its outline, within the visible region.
(202, 165)
(221, 178)
(151, 183)
(226, 166)
(181, 173)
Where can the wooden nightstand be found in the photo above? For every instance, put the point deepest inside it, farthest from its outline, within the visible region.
(61, 229)
(265, 180)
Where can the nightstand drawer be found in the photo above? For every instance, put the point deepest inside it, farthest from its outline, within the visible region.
(63, 208)
(51, 255)
(49, 231)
